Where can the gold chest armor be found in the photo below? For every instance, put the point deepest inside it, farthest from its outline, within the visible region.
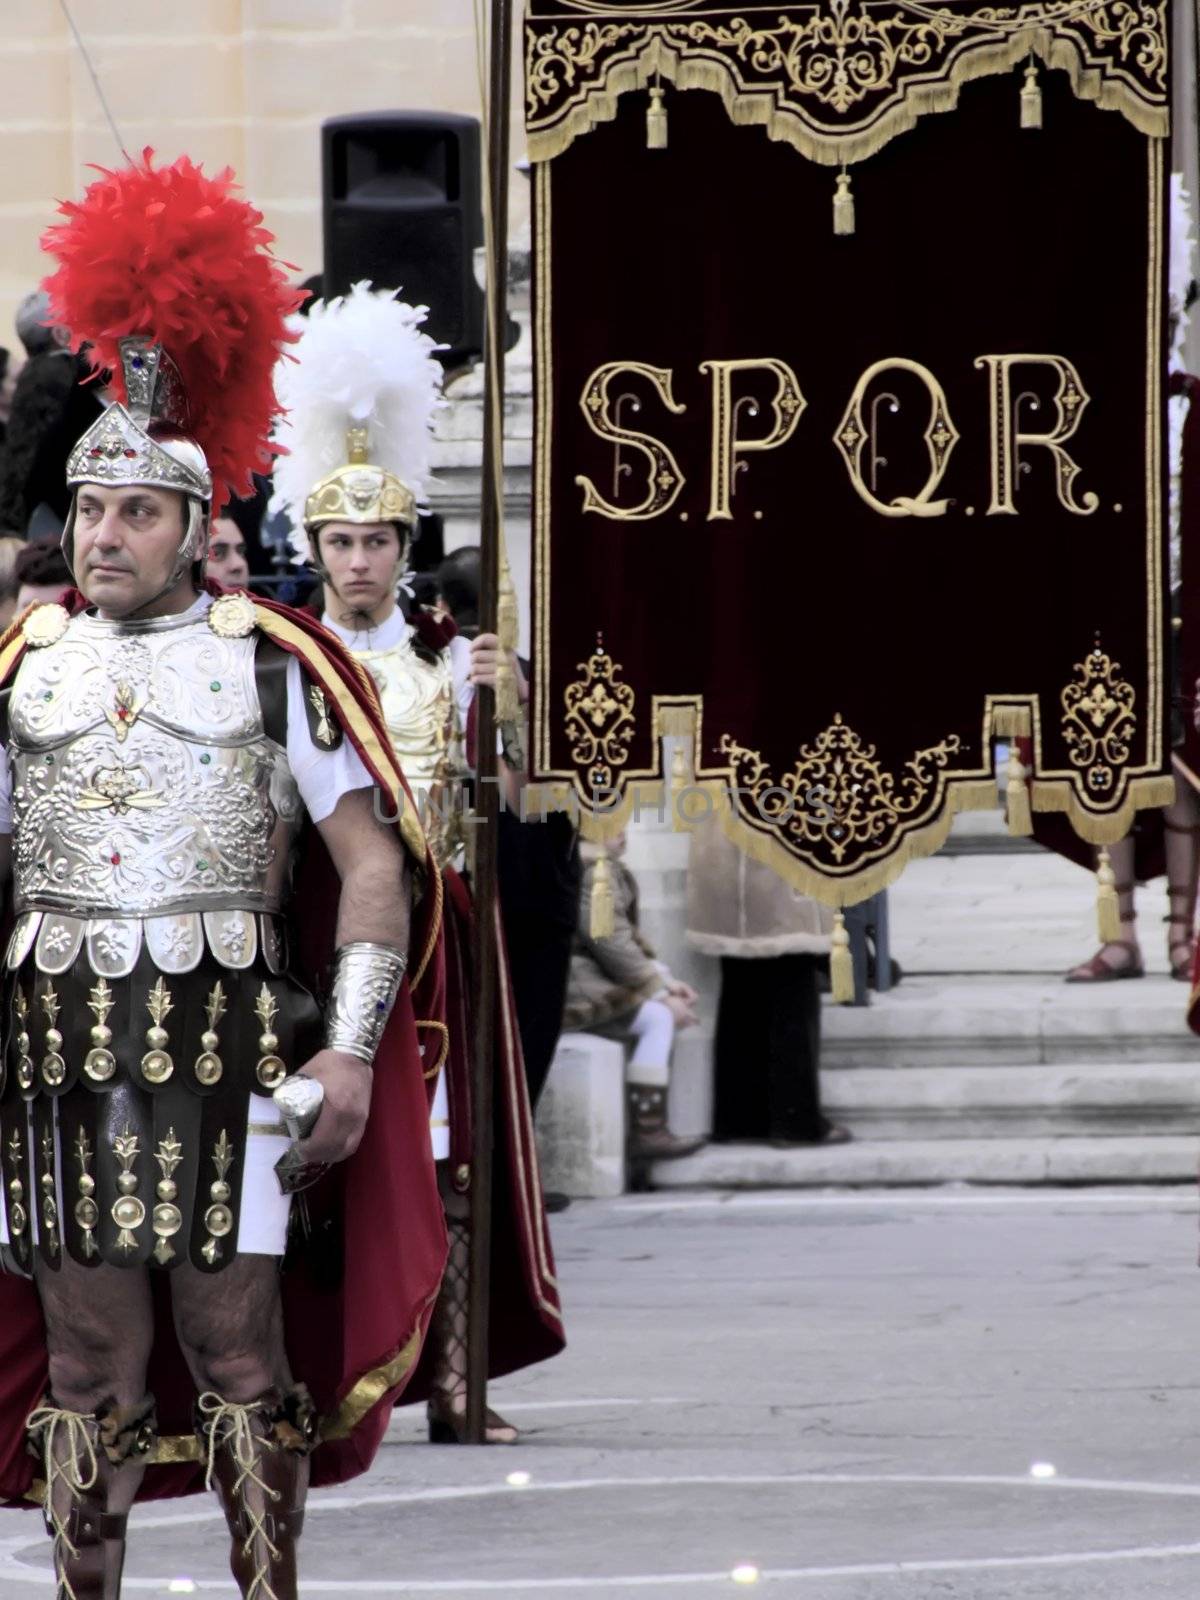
(422, 719)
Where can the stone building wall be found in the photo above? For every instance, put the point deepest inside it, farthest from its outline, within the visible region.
(240, 82)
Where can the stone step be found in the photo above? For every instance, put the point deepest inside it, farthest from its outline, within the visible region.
(1007, 1102)
(885, 1164)
(1011, 1021)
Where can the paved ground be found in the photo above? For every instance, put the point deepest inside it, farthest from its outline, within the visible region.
(849, 1392)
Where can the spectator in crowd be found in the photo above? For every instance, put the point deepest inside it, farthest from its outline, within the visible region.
(10, 549)
(771, 940)
(51, 409)
(458, 584)
(620, 989)
(41, 573)
(8, 381)
(227, 554)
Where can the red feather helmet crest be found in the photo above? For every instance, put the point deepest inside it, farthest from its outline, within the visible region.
(178, 258)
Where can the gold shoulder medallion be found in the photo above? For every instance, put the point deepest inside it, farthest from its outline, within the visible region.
(45, 625)
(232, 616)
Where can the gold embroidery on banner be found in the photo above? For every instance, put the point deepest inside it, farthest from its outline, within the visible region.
(599, 719)
(128, 1212)
(664, 475)
(1098, 721)
(841, 79)
(837, 795)
(854, 433)
(787, 406)
(1006, 438)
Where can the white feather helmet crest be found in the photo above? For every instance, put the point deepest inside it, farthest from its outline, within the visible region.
(359, 391)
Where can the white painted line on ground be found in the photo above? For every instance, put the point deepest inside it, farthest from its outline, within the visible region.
(12, 1567)
(1182, 1197)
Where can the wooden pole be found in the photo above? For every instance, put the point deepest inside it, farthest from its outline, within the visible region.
(487, 794)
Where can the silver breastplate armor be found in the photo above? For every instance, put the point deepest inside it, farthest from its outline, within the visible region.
(144, 784)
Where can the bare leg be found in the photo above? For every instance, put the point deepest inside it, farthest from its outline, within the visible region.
(99, 1329)
(1122, 957)
(256, 1426)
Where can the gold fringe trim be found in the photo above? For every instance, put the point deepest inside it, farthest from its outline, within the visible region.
(645, 792)
(1012, 722)
(760, 106)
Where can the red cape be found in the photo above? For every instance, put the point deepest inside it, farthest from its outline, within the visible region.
(525, 1322)
(354, 1336)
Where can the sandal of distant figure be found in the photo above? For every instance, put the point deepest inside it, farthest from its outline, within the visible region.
(1101, 970)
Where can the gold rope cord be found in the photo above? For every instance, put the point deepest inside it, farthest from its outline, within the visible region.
(913, 59)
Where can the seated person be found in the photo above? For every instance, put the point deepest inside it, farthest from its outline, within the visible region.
(618, 989)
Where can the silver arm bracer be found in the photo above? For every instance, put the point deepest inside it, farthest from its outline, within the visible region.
(365, 981)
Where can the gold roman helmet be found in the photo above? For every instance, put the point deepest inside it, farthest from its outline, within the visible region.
(359, 492)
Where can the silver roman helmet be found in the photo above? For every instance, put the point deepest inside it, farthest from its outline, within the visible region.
(146, 443)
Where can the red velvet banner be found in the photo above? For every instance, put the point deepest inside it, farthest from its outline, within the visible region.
(850, 340)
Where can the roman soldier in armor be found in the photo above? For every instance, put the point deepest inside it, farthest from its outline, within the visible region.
(185, 770)
(359, 391)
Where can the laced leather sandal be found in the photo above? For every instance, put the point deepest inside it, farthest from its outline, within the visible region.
(446, 1410)
(1100, 970)
(1181, 898)
(80, 1453)
(256, 1461)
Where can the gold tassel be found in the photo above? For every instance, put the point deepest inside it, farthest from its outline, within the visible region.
(656, 120)
(1108, 906)
(508, 631)
(601, 925)
(508, 626)
(680, 782)
(1031, 99)
(841, 963)
(508, 704)
(843, 206)
(1016, 797)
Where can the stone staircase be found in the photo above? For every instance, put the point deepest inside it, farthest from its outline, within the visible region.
(982, 1066)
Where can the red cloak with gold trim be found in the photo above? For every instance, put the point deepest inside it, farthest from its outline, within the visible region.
(357, 1306)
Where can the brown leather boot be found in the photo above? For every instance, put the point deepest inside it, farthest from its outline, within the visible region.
(647, 1136)
(81, 1452)
(257, 1460)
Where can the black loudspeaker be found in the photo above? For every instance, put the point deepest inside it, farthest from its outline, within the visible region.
(403, 207)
